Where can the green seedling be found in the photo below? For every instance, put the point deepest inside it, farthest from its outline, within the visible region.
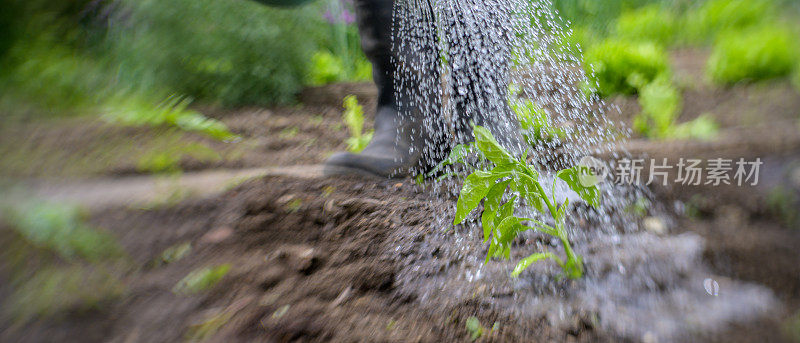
(502, 173)
(474, 328)
(534, 122)
(354, 119)
(201, 279)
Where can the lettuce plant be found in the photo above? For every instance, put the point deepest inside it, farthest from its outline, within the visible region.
(652, 23)
(503, 183)
(620, 66)
(757, 54)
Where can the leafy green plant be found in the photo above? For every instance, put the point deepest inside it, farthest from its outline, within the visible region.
(503, 184)
(713, 17)
(661, 104)
(534, 122)
(619, 67)
(652, 23)
(173, 111)
(201, 48)
(201, 279)
(354, 120)
(703, 127)
(756, 54)
(328, 68)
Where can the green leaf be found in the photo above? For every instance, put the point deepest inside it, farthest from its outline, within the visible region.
(487, 144)
(490, 207)
(529, 188)
(572, 177)
(475, 188)
(456, 155)
(505, 211)
(490, 253)
(526, 262)
(201, 279)
(507, 229)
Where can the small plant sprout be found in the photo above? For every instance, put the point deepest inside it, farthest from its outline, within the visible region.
(534, 122)
(354, 119)
(503, 183)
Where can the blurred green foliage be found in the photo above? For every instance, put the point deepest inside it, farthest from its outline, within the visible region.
(173, 111)
(86, 56)
(328, 68)
(61, 229)
(652, 23)
(55, 262)
(534, 122)
(703, 127)
(620, 67)
(201, 279)
(755, 54)
(353, 117)
(661, 104)
(168, 160)
(713, 17)
(226, 52)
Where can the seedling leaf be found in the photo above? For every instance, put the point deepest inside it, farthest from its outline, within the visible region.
(475, 188)
(490, 207)
(572, 177)
(526, 262)
(488, 145)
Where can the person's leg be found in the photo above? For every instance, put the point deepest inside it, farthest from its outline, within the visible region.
(407, 118)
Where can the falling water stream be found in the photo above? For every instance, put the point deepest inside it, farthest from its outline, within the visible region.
(468, 61)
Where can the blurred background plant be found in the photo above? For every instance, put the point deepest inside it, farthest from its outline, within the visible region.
(340, 58)
(130, 60)
(83, 56)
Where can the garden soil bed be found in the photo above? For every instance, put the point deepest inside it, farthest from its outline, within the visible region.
(338, 259)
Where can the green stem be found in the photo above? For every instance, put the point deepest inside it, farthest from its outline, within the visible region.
(562, 233)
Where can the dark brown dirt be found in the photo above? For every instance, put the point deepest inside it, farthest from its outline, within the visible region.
(329, 259)
(311, 261)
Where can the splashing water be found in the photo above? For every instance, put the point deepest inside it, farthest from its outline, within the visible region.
(470, 61)
(463, 61)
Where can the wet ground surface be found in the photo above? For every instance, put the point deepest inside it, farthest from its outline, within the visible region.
(341, 259)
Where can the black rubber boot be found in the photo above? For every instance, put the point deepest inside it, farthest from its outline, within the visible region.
(398, 144)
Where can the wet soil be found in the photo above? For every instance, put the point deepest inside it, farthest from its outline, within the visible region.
(340, 259)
